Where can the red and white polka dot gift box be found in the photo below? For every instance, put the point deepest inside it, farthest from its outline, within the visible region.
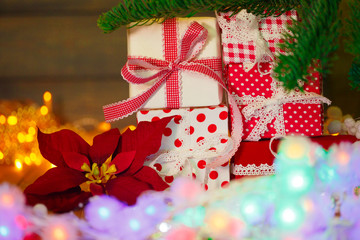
(268, 110)
(192, 140)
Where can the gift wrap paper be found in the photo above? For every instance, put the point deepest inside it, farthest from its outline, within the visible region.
(299, 119)
(186, 132)
(255, 158)
(147, 41)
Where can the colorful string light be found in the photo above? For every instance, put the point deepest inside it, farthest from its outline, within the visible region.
(301, 203)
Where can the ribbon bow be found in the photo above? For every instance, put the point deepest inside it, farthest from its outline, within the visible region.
(268, 109)
(190, 46)
(249, 25)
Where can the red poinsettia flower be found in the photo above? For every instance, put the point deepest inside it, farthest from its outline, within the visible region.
(113, 165)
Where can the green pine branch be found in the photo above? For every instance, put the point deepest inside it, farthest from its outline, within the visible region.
(316, 38)
(353, 42)
(148, 11)
(354, 75)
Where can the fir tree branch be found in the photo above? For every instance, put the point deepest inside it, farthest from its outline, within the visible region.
(147, 11)
(355, 75)
(353, 42)
(313, 38)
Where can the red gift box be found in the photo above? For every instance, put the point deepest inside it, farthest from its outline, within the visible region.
(255, 158)
(270, 111)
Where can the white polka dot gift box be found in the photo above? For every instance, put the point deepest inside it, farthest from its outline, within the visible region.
(269, 111)
(194, 138)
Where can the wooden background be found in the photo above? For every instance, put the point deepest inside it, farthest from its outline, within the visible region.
(55, 45)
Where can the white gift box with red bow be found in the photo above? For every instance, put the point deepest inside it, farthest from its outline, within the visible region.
(193, 138)
(162, 41)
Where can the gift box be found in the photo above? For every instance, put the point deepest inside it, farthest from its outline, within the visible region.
(269, 110)
(192, 140)
(247, 38)
(256, 159)
(163, 42)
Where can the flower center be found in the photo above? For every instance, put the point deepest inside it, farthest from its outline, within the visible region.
(99, 175)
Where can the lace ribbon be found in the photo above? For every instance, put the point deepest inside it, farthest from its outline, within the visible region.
(267, 109)
(252, 169)
(174, 161)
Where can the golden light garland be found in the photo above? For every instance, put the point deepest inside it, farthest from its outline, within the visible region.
(18, 128)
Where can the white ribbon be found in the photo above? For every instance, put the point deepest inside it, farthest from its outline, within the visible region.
(174, 161)
(268, 109)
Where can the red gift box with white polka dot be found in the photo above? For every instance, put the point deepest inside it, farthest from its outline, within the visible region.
(187, 133)
(299, 118)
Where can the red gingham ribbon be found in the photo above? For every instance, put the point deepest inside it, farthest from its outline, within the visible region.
(167, 70)
(237, 52)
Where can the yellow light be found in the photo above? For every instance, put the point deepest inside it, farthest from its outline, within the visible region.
(59, 233)
(1, 155)
(131, 127)
(31, 130)
(7, 200)
(308, 205)
(29, 138)
(12, 120)
(295, 151)
(33, 156)
(2, 119)
(218, 221)
(18, 164)
(104, 126)
(52, 166)
(21, 137)
(27, 160)
(37, 162)
(343, 158)
(47, 96)
(335, 134)
(44, 110)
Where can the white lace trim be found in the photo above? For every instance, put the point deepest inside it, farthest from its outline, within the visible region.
(252, 169)
(245, 27)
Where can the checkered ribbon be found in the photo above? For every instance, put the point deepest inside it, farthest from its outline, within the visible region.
(166, 71)
(235, 51)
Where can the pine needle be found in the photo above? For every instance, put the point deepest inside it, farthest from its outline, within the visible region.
(148, 11)
(314, 39)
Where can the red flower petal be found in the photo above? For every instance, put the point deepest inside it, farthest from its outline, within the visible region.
(52, 145)
(145, 140)
(75, 160)
(123, 160)
(56, 180)
(96, 189)
(62, 201)
(150, 176)
(104, 146)
(126, 189)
